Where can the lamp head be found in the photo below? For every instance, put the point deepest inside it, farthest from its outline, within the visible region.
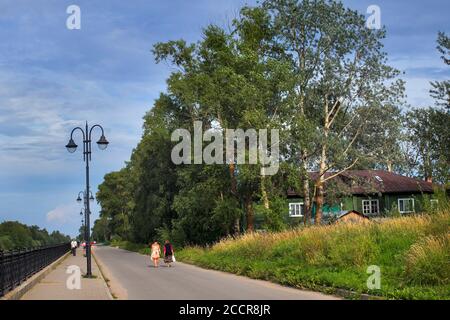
(71, 146)
(102, 143)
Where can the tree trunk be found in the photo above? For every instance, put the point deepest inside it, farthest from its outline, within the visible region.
(264, 193)
(306, 192)
(319, 203)
(389, 166)
(320, 185)
(322, 168)
(428, 171)
(237, 222)
(304, 159)
(250, 215)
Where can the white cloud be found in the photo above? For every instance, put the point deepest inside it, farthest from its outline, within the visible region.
(63, 214)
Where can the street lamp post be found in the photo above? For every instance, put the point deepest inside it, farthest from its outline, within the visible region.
(85, 200)
(83, 226)
(87, 152)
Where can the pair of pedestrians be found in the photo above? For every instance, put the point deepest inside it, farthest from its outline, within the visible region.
(169, 256)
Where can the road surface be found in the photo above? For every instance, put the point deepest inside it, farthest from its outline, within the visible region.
(132, 276)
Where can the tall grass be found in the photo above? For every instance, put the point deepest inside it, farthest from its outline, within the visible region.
(412, 252)
(428, 261)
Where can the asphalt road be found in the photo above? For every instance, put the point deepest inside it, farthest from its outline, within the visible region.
(132, 276)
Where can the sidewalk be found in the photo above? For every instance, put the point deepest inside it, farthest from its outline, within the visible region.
(53, 286)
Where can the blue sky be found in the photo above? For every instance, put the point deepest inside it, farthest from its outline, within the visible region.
(52, 79)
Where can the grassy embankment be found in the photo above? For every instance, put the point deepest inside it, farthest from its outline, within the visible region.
(412, 252)
(130, 246)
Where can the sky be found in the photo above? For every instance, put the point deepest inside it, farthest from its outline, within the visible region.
(53, 79)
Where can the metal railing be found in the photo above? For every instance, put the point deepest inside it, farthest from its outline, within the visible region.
(18, 265)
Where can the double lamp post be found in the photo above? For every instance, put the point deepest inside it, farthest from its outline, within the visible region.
(87, 195)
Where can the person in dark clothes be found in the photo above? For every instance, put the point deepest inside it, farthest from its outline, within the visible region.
(168, 253)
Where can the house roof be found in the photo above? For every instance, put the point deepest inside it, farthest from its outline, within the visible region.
(375, 181)
(354, 212)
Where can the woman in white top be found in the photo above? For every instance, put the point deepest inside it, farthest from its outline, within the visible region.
(156, 253)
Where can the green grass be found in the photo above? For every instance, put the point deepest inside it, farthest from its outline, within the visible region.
(412, 252)
(130, 246)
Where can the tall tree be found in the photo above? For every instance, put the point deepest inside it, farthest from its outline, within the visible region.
(430, 138)
(340, 75)
(115, 195)
(227, 82)
(441, 89)
(427, 128)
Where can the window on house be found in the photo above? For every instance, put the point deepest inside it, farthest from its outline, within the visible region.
(296, 209)
(371, 207)
(406, 205)
(379, 178)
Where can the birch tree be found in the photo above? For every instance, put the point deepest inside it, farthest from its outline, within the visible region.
(340, 74)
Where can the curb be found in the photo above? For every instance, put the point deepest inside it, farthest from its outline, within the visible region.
(338, 292)
(102, 276)
(348, 294)
(29, 283)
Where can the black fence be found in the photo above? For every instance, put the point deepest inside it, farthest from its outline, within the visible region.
(18, 265)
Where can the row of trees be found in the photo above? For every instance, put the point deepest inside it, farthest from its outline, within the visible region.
(311, 69)
(14, 235)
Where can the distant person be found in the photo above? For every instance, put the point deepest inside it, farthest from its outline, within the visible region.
(73, 247)
(156, 253)
(168, 253)
(83, 245)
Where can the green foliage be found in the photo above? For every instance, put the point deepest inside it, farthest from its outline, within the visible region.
(429, 137)
(435, 203)
(275, 216)
(441, 89)
(130, 246)
(115, 198)
(101, 232)
(285, 65)
(428, 261)
(412, 252)
(393, 212)
(15, 235)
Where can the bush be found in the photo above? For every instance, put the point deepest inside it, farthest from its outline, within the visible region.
(116, 238)
(6, 243)
(428, 261)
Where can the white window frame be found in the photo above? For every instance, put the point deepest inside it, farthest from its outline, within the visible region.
(406, 199)
(370, 206)
(300, 204)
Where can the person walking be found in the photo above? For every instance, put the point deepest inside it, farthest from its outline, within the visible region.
(156, 253)
(73, 247)
(168, 253)
(83, 245)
